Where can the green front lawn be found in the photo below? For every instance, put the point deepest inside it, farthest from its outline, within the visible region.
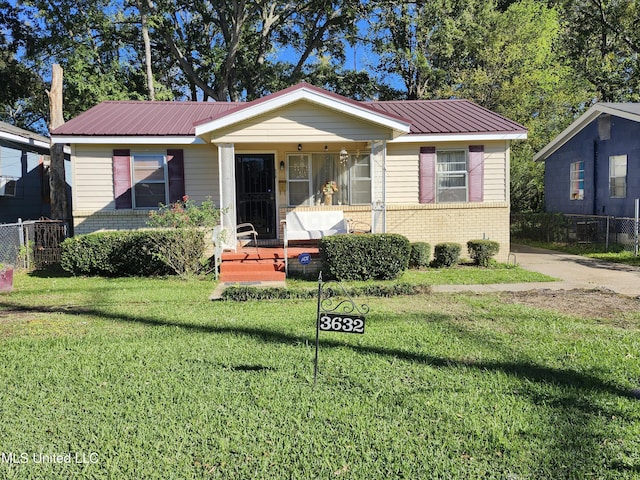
(146, 378)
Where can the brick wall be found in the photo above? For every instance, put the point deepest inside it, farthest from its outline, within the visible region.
(418, 222)
(91, 221)
(457, 223)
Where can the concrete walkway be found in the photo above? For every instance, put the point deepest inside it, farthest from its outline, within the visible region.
(573, 272)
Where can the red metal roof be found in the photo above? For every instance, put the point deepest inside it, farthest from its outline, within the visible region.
(139, 118)
(448, 117)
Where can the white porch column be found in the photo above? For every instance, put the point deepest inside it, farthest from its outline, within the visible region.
(227, 175)
(378, 186)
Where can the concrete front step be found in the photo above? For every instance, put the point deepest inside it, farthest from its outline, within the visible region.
(262, 264)
(252, 266)
(252, 276)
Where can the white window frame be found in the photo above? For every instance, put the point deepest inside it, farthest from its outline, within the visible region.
(299, 180)
(315, 198)
(353, 178)
(441, 191)
(134, 183)
(615, 163)
(576, 180)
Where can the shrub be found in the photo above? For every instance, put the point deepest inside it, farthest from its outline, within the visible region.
(133, 253)
(185, 213)
(420, 254)
(446, 254)
(481, 251)
(364, 257)
(243, 294)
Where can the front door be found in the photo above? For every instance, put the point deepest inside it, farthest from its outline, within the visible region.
(255, 192)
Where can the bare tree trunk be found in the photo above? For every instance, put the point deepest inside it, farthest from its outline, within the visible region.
(147, 51)
(56, 170)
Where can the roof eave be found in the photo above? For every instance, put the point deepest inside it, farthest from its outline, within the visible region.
(128, 139)
(25, 140)
(453, 137)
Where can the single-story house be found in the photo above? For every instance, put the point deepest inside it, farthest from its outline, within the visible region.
(593, 166)
(432, 170)
(24, 174)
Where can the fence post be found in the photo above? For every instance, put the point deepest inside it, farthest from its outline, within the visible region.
(606, 242)
(635, 228)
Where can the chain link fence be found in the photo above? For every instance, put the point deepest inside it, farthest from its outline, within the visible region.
(613, 233)
(32, 244)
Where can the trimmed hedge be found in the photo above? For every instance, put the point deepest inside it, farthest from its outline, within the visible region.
(243, 294)
(420, 255)
(124, 253)
(379, 256)
(481, 251)
(446, 254)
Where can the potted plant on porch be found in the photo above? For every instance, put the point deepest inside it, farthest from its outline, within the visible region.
(6, 278)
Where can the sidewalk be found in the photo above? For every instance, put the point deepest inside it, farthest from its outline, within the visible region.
(572, 271)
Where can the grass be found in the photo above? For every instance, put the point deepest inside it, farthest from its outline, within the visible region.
(592, 250)
(463, 274)
(146, 378)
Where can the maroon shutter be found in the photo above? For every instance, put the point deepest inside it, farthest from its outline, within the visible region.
(427, 175)
(122, 178)
(476, 173)
(175, 166)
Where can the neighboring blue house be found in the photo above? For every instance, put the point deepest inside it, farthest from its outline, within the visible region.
(24, 174)
(593, 166)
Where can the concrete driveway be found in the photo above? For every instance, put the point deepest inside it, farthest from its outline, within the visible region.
(572, 271)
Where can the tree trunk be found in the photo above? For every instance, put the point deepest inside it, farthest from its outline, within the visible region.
(57, 183)
(147, 51)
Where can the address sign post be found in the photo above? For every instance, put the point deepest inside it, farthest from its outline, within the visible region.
(337, 312)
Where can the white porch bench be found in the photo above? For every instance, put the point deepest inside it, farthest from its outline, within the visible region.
(312, 226)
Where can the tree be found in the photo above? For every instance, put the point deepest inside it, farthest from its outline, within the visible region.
(22, 93)
(424, 42)
(519, 71)
(603, 44)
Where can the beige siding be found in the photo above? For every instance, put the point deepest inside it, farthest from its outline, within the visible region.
(304, 121)
(403, 173)
(93, 173)
(93, 178)
(495, 173)
(201, 173)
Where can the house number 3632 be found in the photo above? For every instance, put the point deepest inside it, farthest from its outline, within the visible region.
(339, 323)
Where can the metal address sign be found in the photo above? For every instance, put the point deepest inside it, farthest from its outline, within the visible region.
(337, 312)
(341, 323)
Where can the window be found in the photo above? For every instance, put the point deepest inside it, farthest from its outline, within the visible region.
(149, 180)
(618, 176)
(577, 181)
(329, 179)
(451, 176)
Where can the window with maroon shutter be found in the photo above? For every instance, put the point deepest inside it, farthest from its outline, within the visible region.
(122, 178)
(149, 180)
(451, 176)
(427, 171)
(476, 173)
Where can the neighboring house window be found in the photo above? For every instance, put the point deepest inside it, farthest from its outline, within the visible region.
(143, 180)
(618, 176)
(149, 180)
(329, 179)
(577, 181)
(451, 176)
